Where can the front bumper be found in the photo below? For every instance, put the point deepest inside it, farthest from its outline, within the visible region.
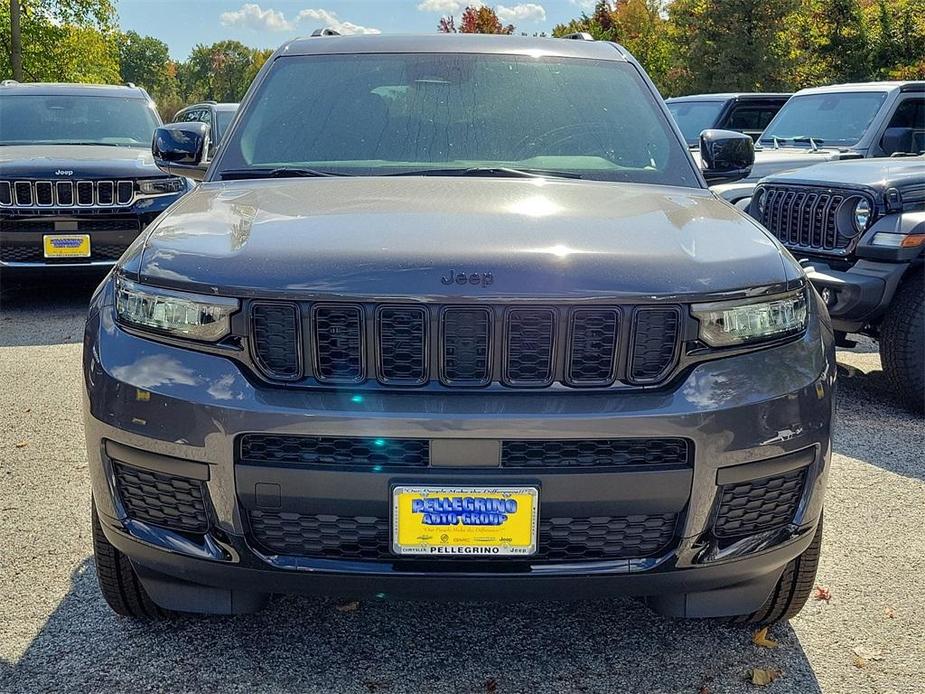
(174, 411)
(856, 296)
(111, 231)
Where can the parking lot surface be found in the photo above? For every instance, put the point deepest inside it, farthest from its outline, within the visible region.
(57, 635)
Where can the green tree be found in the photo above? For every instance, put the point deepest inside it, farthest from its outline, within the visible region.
(63, 40)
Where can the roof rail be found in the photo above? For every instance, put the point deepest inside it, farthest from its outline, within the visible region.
(579, 36)
(8, 83)
(131, 85)
(325, 32)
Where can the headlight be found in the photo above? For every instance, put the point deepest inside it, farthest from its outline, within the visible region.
(759, 201)
(861, 214)
(162, 186)
(727, 323)
(193, 316)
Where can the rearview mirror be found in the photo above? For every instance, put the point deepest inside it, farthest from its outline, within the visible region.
(180, 149)
(725, 155)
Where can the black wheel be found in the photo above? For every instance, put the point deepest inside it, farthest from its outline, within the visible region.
(118, 581)
(793, 589)
(902, 343)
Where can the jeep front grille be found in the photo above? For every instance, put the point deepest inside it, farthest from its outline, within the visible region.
(408, 345)
(806, 218)
(83, 193)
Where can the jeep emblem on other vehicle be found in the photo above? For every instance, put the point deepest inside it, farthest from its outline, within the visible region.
(484, 279)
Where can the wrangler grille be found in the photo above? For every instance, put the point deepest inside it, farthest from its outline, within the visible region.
(469, 346)
(805, 218)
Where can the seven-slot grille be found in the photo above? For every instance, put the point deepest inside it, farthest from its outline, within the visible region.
(82, 193)
(465, 346)
(805, 217)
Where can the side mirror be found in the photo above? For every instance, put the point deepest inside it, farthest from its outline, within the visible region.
(725, 155)
(180, 149)
(898, 141)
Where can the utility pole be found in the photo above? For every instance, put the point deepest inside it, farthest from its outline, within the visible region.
(16, 39)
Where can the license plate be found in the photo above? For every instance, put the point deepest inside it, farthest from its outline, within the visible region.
(465, 522)
(67, 246)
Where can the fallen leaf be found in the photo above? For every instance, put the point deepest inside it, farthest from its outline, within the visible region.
(889, 613)
(704, 689)
(28, 409)
(858, 662)
(349, 606)
(762, 677)
(22, 444)
(760, 638)
(822, 593)
(491, 685)
(865, 653)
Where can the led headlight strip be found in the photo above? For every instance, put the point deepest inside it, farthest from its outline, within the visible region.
(727, 323)
(191, 316)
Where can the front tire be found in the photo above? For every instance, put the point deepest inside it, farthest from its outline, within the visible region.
(902, 344)
(118, 581)
(793, 588)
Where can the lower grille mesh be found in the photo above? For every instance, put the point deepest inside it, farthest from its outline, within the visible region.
(560, 539)
(758, 505)
(330, 450)
(165, 500)
(595, 453)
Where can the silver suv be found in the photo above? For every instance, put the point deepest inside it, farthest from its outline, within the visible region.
(456, 316)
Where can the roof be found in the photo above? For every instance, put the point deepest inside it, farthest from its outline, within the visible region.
(865, 87)
(730, 96)
(218, 106)
(10, 88)
(452, 43)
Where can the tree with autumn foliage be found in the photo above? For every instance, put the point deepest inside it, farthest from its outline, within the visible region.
(476, 20)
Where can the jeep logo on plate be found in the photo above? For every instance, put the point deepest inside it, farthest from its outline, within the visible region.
(483, 279)
(63, 172)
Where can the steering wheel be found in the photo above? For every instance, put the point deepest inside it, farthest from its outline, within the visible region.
(547, 143)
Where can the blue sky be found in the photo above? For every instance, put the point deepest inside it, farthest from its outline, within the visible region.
(181, 24)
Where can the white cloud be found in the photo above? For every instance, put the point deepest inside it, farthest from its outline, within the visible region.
(329, 19)
(252, 16)
(525, 12)
(441, 6)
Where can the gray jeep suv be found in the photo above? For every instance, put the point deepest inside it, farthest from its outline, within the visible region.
(456, 316)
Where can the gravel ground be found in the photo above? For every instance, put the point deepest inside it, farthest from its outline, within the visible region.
(57, 635)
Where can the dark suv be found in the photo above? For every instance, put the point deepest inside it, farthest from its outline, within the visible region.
(747, 113)
(457, 316)
(77, 180)
(858, 227)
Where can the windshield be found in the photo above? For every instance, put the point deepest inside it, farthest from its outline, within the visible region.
(399, 113)
(693, 117)
(829, 119)
(82, 120)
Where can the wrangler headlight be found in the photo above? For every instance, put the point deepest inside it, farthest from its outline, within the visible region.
(162, 186)
(861, 214)
(727, 323)
(193, 316)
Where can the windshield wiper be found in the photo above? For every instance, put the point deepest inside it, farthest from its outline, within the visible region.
(489, 171)
(281, 172)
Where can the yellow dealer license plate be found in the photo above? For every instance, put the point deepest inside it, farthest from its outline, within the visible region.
(464, 521)
(67, 246)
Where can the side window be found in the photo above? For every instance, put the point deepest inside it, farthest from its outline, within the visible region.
(906, 129)
(193, 115)
(751, 117)
(206, 116)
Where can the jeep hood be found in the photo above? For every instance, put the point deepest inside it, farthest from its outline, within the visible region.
(90, 161)
(878, 174)
(397, 237)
